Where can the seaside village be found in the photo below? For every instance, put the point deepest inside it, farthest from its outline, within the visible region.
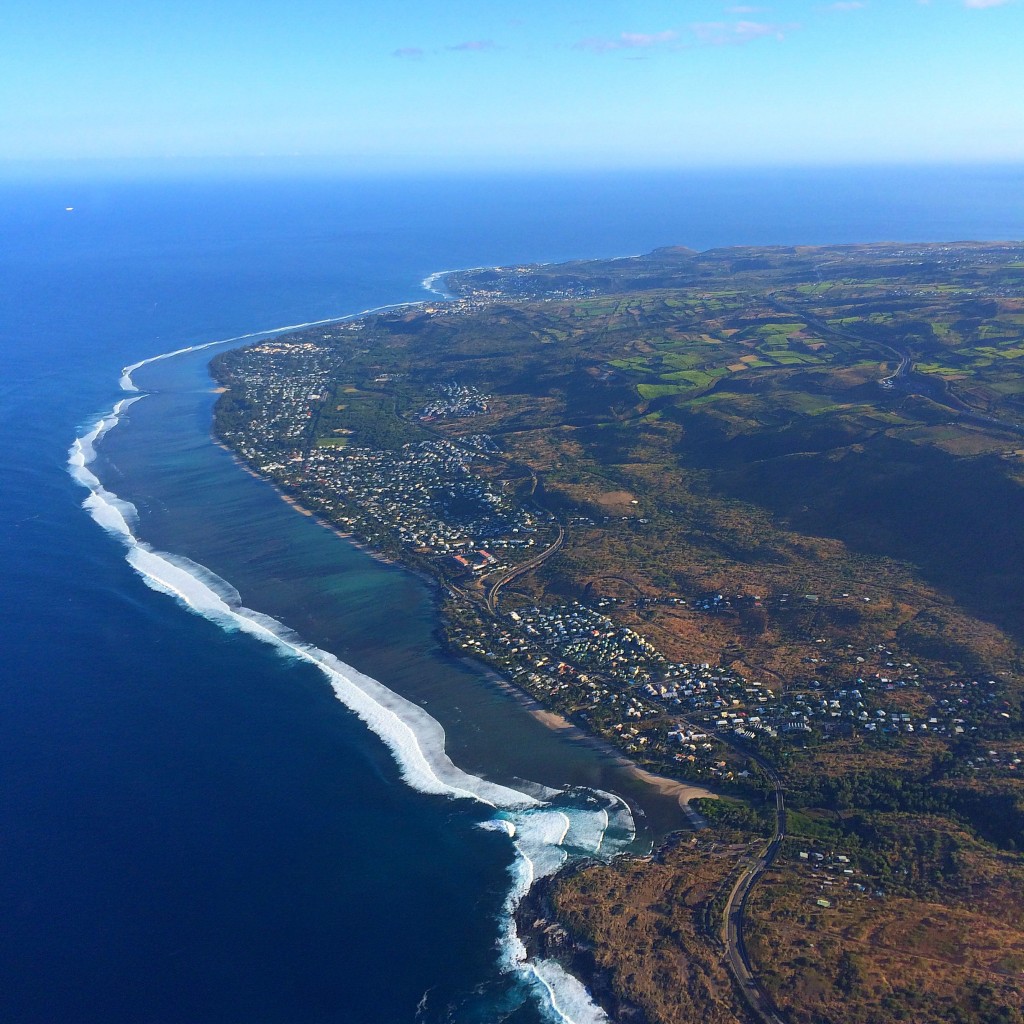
(431, 504)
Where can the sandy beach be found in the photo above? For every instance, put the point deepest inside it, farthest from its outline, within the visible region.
(683, 792)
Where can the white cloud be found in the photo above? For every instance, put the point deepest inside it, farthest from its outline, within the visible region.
(474, 45)
(721, 33)
(629, 41)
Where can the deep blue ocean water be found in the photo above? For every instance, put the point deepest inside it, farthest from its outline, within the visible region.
(193, 828)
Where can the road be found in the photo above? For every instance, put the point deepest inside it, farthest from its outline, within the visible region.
(904, 378)
(732, 932)
(735, 908)
(733, 920)
(901, 371)
(533, 563)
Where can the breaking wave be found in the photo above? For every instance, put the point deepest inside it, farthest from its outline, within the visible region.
(430, 283)
(546, 827)
(128, 384)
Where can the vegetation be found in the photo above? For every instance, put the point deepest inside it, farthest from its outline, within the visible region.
(802, 465)
(652, 930)
(932, 932)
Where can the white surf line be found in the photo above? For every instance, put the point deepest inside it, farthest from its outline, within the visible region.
(537, 856)
(568, 996)
(415, 739)
(127, 384)
(419, 752)
(430, 281)
(621, 810)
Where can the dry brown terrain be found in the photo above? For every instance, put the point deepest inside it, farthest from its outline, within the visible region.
(958, 956)
(647, 924)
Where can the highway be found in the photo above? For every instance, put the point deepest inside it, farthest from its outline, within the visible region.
(735, 909)
(733, 919)
(905, 377)
(737, 961)
(533, 563)
(754, 995)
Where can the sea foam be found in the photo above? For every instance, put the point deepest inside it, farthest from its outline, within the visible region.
(127, 383)
(546, 826)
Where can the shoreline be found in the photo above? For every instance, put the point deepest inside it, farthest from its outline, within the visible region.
(294, 502)
(544, 936)
(683, 791)
(664, 786)
(551, 720)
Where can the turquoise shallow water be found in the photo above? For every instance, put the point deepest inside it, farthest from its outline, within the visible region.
(193, 500)
(191, 826)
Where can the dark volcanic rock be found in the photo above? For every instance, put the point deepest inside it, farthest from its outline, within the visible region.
(546, 938)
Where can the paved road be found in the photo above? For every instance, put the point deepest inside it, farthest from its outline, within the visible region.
(735, 908)
(533, 563)
(732, 932)
(733, 919)
(901, 371)
(905, 375)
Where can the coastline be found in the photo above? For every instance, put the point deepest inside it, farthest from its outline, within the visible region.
(542, 932)
(547, 937)
(536, 925)
(557, 724)
(679, 791)
(683, 792)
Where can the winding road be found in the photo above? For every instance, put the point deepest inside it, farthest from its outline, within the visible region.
(733, 918)
(735, 908)
(533, 563)
(905, 377)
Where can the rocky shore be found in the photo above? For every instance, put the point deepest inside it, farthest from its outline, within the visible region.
(547, 938)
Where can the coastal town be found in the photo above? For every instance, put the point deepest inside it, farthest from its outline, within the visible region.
(447, 506)
(619, 498)
(513, 513)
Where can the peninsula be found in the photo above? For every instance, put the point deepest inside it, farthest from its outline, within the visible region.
(753, 517)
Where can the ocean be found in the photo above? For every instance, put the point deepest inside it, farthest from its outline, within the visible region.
(240, 780)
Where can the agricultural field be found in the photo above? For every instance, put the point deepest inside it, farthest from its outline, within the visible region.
(795, 472)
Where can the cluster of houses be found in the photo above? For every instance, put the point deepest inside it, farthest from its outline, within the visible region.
(586, 638)
(426, 495)
(455, 400)
(508, 284)
(835, 875)
(994, 760)
(576, 658)
(286, 384)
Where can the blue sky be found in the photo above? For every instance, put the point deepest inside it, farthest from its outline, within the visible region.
(421, 85)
